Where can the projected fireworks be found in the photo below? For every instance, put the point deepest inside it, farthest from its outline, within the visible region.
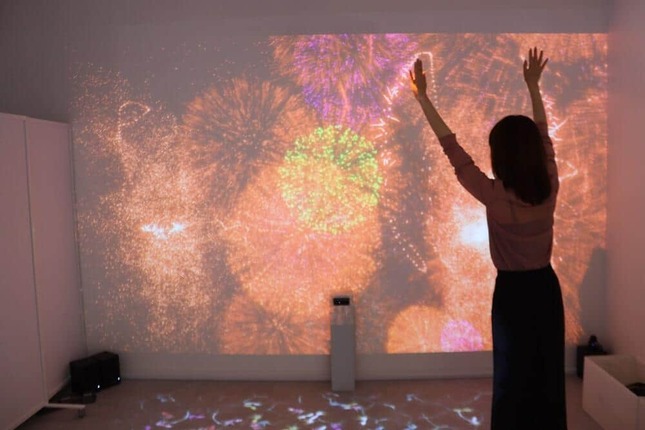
(239, 127)
(331, 179)
(344, 76)
(284, 263)
(224, 222)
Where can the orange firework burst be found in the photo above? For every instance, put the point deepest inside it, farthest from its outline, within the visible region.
(283, 263)
(430, 329)
(236, 130)
(250, 328)
(416, 329)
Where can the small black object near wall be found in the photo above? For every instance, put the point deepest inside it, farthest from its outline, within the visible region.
(592, 348)
(637, 388)
(94, 373)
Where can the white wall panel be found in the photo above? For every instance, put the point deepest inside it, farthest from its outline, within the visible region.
(21, 386)
(41, 322)
(55, 252)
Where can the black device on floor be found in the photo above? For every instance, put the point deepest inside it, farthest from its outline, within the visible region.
(637, 388)
(95, 373)
(593, 347)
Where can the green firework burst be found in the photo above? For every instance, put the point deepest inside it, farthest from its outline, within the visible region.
(331, 179)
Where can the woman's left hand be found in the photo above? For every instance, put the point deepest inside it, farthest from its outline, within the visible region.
(418, 80)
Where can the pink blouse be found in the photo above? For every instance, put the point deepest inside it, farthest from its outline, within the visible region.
(520, 235)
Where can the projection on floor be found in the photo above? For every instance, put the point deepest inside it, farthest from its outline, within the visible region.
(319, 411)
(222, 206)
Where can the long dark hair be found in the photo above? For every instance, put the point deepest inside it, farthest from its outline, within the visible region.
(518, 158)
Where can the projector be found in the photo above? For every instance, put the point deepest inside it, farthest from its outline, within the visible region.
(341, 301)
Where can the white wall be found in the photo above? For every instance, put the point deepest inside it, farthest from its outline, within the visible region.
(626, 194)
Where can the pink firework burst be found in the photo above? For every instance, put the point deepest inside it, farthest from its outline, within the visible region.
(344, 76)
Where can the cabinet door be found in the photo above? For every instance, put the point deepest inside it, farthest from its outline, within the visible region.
(55, 253)
(21, 376)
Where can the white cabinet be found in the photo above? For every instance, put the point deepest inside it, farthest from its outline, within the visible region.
(41, 320)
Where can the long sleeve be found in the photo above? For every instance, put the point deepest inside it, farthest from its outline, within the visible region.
(468, 174)
(551, 165)
(520, 235)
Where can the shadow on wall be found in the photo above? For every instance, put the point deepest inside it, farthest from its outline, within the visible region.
(593, 297)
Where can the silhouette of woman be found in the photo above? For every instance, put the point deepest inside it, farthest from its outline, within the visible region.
(527, 313)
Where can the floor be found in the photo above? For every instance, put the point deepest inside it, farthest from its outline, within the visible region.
(213, 405)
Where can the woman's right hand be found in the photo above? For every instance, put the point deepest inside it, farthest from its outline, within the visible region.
(533, 67)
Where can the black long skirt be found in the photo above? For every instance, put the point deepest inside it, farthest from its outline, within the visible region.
(528, 352)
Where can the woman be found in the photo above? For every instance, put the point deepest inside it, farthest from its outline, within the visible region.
(527, 314)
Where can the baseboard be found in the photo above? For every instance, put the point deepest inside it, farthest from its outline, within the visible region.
(310, 367)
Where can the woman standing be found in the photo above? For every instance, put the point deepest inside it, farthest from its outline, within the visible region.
(527, 314)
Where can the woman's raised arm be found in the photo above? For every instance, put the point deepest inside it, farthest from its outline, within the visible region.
(533, 68)
(419, 86)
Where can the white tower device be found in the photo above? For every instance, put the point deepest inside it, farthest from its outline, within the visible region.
(343, 344)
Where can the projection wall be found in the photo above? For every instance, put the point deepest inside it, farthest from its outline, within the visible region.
(228, 188)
